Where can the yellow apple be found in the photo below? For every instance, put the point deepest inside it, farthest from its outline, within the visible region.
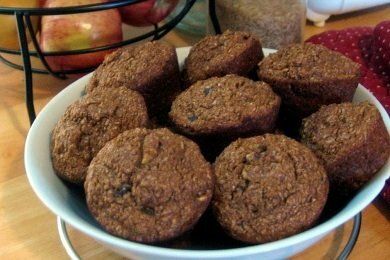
(8, 29)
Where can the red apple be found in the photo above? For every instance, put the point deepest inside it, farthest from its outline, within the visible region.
(78, 31)
(148, 12)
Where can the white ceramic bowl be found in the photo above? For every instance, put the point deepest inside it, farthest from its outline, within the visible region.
(70, 206)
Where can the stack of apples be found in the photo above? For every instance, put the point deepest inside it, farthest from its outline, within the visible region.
(81, 31)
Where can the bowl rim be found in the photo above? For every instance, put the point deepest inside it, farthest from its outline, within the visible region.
(364, 197)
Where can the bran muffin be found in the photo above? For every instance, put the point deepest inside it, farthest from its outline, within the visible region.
(219, 55)
(227, 106)
(352, 142)
(150, 68)
(149, 185)
(88, 124)
(268, 187)
(307, 76)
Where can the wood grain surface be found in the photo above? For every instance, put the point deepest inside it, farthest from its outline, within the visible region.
(28, 229)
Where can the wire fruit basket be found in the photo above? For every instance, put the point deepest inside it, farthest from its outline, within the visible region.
(23, 18)
(25, 29)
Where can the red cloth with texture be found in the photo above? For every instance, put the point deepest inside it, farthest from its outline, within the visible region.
(370, 47)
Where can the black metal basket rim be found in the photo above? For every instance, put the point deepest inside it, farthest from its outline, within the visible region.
(90, 50)
(68, 9)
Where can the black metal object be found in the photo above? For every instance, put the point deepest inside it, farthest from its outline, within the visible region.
(357, 222)
(24, 26)
(23, 20)
(27, 66)
(213, 17)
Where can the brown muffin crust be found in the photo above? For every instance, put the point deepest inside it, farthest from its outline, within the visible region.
(88, 124)
(148, 185)
(307, 76)
(267, 188)
(219, 55)
(352, 142)
(150, 68)
(230, 105)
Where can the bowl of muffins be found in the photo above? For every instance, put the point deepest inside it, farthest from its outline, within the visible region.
(220, 151)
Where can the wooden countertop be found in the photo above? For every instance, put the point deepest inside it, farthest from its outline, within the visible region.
(28, 229)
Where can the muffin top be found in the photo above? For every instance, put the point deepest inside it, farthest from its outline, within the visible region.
(137, 67)
(268, 187)
(89, 123)
(307, 62)
(220, 104)
(336, 129)
(218, 55)
(149, 185)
